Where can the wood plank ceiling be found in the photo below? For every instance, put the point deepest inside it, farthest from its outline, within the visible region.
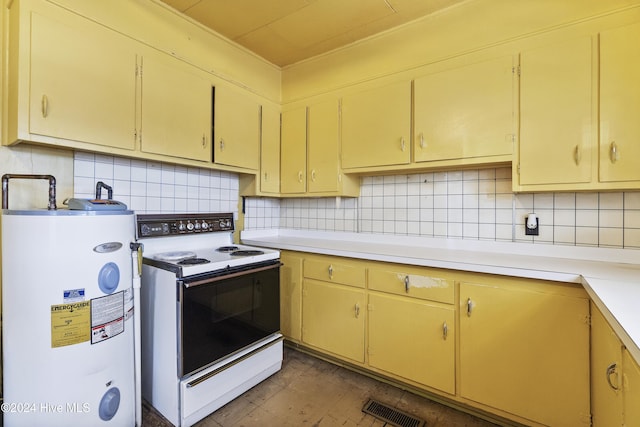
(288, 31)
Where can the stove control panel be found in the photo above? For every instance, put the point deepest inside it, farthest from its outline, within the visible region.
(162, 225)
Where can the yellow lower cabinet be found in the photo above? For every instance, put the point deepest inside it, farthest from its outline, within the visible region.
(615, 377)
(333, 318)
(413, 339)
(291, 296)
(524, 349)
(606, 368)
(631, 385)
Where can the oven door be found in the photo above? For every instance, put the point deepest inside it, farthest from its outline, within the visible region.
(222, 313)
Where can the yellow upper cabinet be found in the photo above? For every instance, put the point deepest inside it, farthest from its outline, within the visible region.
(236, 128)
(310, 152)
(293, 151)
(70, 79)
(620, 104)
(556, 122)
(322, 147)
(270, 150)
(176, 109)
(466, 112)
(376, 127)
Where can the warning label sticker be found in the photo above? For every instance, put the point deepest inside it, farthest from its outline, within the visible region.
(70, 323)
(107, 317)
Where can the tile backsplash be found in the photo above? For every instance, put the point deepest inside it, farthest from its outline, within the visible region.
(153, 187)
(469, 204)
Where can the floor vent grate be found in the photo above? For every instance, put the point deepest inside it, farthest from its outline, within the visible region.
(391, 415)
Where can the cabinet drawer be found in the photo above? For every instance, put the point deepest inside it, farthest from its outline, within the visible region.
(413, 282)
(336, 271)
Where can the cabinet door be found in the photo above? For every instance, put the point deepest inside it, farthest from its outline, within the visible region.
(376, 127)
(556, 114)
(291, 296)
(176, 109)
(620, 104)
(293, 151)
(333, 318)
(631, 391)
(525, 352)
(412, 339)
(270, 150)
(236, 129)
(322, 147)
(465, 112)
(83, 82)
(606, 373)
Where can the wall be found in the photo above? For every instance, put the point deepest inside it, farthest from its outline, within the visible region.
(470, 204)
(153, 187)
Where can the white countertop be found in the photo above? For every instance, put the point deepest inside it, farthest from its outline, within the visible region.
(611, 277)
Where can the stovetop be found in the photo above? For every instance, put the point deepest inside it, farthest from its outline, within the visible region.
(192, 244)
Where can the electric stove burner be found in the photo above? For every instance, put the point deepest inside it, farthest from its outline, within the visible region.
(246, 253)
(227, 248)
(175, 256)
(193, 261)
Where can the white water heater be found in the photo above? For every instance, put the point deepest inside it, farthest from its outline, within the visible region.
(67, 317)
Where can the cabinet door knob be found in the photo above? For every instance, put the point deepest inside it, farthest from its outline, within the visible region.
(300, 176)
(221, 144)
(469, 307)
(406, 284)
(313, 175)
(204, 141)
(422, 143)
(357, 310)
(445, 331)
(330, 271)
(612, 369)
(402, 144)
(613, 152)
(577, 154)
(45, 106)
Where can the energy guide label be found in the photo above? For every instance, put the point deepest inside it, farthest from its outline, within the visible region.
(107, 317)
(69, 323)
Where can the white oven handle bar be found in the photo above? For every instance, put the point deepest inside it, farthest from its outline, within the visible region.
(235, 362)
(231, 275)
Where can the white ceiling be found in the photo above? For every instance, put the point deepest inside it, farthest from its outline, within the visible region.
(287, 31)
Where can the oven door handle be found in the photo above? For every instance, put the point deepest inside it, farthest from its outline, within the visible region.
(231, 275)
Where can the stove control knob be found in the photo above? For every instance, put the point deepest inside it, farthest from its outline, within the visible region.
(205, 225)
(181, 226)
(197, 226)
(190, 226)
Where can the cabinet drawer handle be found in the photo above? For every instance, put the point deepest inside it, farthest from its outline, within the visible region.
(445, 331)
(612, 369)
(613, 152)
(331, 272)
(45, 106)
(357, 310)
(313, 175)
(469, 307)
(577, 154)
(299, 176)
(402, 144)
(406, 284)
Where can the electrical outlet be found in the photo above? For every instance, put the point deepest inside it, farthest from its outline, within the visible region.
(531, 225)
